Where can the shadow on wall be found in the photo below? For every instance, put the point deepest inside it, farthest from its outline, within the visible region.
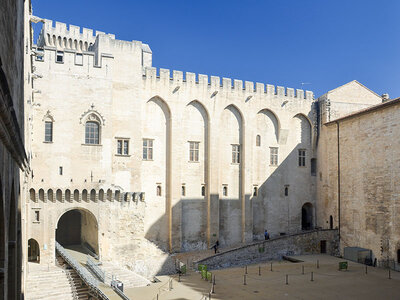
(282, 204)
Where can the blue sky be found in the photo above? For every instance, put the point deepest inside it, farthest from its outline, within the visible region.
(320, 42)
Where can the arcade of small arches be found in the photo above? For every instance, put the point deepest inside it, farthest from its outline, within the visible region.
(83, 195)
(63, 42)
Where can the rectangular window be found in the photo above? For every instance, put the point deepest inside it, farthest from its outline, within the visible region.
(48, 132)
(235, 154)
(37, 216)
(273, 156)
(60, 57)
(194, 151)
(79, 59)
(147, 149)
(302, 158)
(40, 54)
(123, 147)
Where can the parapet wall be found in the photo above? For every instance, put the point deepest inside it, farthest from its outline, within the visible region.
(71, 38)
(273, 249)
(214, 83)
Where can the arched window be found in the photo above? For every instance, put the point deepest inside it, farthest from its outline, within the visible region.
(258, 140)
(92, 130)
(203, 190)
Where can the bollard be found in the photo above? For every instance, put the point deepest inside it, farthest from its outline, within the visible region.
(312, 276)
(287, 279)
(213, 290)
(366, 269)
(209, 296)
(259, 270)
(245, 268)
(244, 280)
(271, 267)
(179, 278)
(317, 264)
(302, 270)
(389, 274)
(214, 280)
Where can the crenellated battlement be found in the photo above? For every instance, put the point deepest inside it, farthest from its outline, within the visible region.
(215, 83)
(60, 36)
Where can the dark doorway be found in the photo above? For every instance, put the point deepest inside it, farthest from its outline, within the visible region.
(398, 256)
(330, 222)
(33, 251)
(323, 246)
(307, 216)
(78, 228)
(68, 230)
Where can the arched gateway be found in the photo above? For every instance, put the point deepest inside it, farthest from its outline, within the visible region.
(78, 227)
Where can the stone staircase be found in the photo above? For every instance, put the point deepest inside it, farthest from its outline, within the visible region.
(47, 283)
(59, 282)
(129, 279)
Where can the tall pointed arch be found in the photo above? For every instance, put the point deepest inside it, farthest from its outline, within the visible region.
(232, 206)
(303, 129)
(197, 132)
(167, 135)
(273, 119)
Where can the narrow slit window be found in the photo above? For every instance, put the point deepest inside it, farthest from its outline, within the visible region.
(159, 192)
(183, 190)
(203, 190)
(225, 190)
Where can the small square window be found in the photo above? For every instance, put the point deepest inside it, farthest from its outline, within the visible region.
(39, 54)
(60, 57)
(123, 147)
(79, 59)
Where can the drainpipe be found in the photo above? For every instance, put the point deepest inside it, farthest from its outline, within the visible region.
(338, 175)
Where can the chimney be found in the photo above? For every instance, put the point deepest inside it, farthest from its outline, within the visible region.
(385, 97)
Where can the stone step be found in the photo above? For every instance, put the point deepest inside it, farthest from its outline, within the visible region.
(130, 279)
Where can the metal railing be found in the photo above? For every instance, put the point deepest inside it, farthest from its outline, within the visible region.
(95, 269)
(117, 290)
(84, 274)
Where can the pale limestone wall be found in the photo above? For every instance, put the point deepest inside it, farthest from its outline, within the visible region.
(134, 102)
(369, 170)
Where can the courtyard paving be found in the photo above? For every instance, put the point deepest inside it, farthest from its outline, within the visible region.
(328, 282)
